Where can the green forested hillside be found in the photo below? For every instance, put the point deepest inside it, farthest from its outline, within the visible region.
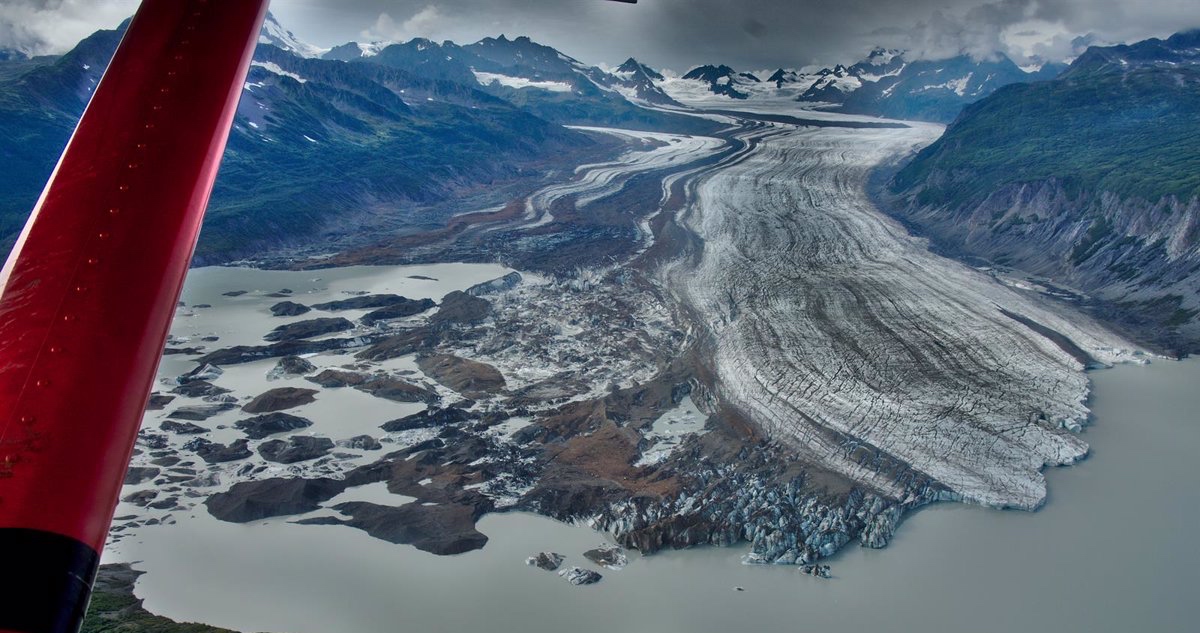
(1135, 134)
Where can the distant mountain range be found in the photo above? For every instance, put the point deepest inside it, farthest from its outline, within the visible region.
(392, 141)
(535, 77)
(884, 84)
(1092, 179)
(723, 80)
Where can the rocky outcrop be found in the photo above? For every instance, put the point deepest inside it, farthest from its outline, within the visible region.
(289, 308)
(548, 561)
(199, 389)
(460, 308)
(379, 386)
(334, 378)
(362, 302)
(402, 344)
(253, 500)
(200, 412)
(397, 390)
(820, 571)
(290, 366)
(442, 529)
(399, 310)
(361, 443)
(429, 418)
(182, 351)
(580, 576)
(182, 428)
(261, 426)
(280, 398)
(250, 353)
(1135, 260)
(297, 448)
(470, 378)
(608, 555)
(207, 480)
(158, 402)
(507, 282)
(309, 329)
(214, 453)
(140, 474)
(141, 498)
(205, 370)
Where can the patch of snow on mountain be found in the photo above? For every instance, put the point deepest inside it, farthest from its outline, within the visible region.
(874, 78)
(958, 86)
(848, 83)
(371, 49)
(275, 68)
(698, 94)
(486, 79)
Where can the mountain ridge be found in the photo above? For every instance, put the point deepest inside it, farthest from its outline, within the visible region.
(318, 147)
(1091, 180)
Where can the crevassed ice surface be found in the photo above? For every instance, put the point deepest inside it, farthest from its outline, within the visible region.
(826, 316)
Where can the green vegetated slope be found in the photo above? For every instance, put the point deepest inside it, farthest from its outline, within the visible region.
(114, 609)
(1091, 179)
(1134, 134)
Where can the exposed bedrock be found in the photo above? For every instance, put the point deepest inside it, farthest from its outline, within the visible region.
(250, 353)
(309, 329)
(253, 500)
(548, 561)
(1136, 260)
(214, 453)
(200, 412)
(379, 386)
(182, 428)
(261, 426)
(437, 529)
(364, 302)
(397, 310)
(297, 448)
(459, 307)
(290, 366)
(279, 398)
(470, 378)
(199, 389)
(289, 308)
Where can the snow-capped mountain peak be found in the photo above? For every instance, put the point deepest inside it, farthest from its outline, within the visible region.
(273, 33)
(355, 50)
(880, 56)
(632, 67)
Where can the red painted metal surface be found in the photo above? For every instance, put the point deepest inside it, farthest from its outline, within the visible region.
(87, 297)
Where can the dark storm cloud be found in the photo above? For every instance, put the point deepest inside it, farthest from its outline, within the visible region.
(751, 34)
(54, 26)
(755, 33)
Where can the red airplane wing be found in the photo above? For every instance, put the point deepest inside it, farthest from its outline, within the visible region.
(87, 296)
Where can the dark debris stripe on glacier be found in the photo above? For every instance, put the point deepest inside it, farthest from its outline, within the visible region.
(834, 329)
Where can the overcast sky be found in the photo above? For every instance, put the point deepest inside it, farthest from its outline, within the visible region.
(677, 34)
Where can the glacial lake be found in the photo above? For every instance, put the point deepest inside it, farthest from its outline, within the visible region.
(1113, 550)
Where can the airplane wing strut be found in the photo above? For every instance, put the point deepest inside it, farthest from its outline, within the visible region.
(88, 293)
